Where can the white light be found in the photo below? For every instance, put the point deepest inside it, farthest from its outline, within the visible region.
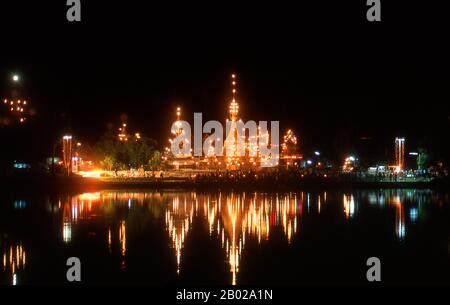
(15, 78)
(413, 214)
(317, 153)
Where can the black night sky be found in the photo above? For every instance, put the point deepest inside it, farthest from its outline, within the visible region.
(318, 67)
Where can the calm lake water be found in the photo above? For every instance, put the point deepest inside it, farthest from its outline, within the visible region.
(226, 237)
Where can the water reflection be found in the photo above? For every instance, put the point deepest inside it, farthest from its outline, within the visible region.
(233, 219)
(14, 260)
(407, 204)
(178, 218)
(399, 217)
(349, 205)
(20, 204)
(123, 242)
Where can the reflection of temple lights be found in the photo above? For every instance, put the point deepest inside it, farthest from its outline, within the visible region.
(240, 218)
(318, 204)
(14, 260)
(178, 222)
(123, 242)
(109, 239)
(235, 220)
(349, 206)
(123, 238)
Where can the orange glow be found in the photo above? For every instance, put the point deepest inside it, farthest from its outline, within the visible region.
(90, 196)
(97, 173)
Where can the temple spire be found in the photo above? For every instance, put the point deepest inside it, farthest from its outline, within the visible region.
(234, 106)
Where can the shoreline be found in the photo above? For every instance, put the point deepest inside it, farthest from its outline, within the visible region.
(79, 184)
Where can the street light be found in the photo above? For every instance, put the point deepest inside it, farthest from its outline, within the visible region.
(67, 153)
(15, 78)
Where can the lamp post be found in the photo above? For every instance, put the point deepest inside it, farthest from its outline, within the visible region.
(67, 153)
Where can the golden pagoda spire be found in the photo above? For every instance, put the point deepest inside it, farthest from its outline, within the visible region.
(178, 113)
(234, 106)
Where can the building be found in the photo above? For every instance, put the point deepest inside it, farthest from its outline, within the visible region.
(400, 152)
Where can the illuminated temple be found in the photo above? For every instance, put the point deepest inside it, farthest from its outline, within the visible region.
(239, 151)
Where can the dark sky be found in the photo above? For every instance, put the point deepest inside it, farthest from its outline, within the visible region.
(316, 66)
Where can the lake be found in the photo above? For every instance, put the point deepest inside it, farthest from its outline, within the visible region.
(213, 237)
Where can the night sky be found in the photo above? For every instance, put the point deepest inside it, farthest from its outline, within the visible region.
(318, 67)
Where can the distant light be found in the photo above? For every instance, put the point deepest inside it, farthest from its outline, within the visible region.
(21, 165)
(317, 153)
(413, 153)
(15, 78)
(309, 162)
(20, 204)
(413, 214)
(91, 174)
